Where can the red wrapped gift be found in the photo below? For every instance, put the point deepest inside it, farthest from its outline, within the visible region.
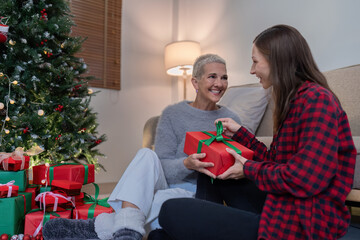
(13, 164)
(93, 206)
(214, 144)
(34, 190)
(82, 173)
(50, 201)
(9, 190)
(34, 221)
(71, 188)
(92, 210)
(78, 199)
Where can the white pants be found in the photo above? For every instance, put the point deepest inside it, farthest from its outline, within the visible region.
(143, 184)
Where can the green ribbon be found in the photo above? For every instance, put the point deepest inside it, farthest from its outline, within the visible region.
(95, 201)
(219, 138)
(46, 214)
(51, 171)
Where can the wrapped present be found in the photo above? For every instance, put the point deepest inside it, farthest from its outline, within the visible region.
(12, 164)
(34, 190)
(35, 220)
(8, 190)
(214, 144)
(82, 173)
(93, 206)
(17, 160)
(20, 178)
(45, 189)
(78, 199)
(71, 188)
(12, 213)
(51, 201)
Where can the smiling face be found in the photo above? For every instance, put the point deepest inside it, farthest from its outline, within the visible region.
(260, 67)
(212, 84)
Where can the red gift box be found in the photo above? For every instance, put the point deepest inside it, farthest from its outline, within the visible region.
(78, 199)
(216, 150)
(52, 200)
(72, 172)
(12, 164)
(71, 188)
(34, 221)
(92, 210)
(8, 190)
(34, 190)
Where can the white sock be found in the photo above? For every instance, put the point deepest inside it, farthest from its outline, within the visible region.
(104, 225)
(130, 218)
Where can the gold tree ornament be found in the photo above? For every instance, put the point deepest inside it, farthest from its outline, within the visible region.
(12, 43)
(40, 112)
(1, 105)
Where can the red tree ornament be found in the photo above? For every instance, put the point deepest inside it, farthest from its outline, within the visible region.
(3, 32)
(4, 236)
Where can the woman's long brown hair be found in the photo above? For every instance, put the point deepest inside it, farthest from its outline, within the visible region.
(291, 64)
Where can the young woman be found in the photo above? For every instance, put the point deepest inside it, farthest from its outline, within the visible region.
(153, 177)
(306, 174)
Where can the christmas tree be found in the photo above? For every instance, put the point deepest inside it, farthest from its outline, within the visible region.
(44, 95)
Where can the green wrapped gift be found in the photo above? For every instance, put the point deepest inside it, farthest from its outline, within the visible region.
(20, 177)
(45, 189)
(12, 213)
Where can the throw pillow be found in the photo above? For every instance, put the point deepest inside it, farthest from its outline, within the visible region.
(249, 102)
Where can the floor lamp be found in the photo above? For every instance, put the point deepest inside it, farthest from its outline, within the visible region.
(179, 58)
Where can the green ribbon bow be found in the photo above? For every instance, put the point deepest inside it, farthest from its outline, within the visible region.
(219, 138)
(51, 171)
(95, 201)
(46, 214)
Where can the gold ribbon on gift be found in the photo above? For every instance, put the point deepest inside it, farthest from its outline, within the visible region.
(18, 154)
(95, 201)
(219, 138)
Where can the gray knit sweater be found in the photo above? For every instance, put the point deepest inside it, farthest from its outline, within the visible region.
(174, 122)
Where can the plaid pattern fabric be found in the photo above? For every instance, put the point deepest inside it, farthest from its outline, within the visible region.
(308, 170)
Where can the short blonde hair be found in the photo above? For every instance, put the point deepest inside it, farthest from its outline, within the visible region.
(201, 61)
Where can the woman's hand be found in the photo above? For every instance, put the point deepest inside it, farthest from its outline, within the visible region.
(236, 171)
(194, 162)
(229, 125)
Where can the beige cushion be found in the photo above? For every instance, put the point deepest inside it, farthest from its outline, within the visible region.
(249, 102)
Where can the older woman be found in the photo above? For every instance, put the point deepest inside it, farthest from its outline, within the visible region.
(153, 177)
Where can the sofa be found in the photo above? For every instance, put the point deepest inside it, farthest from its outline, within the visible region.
(254, 106)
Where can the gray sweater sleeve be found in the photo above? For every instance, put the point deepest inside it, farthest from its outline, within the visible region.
(174, 122)
(166, 147)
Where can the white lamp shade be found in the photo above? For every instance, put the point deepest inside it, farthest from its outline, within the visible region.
(180, 56)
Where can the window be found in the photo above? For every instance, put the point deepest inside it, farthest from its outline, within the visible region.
(100, 22)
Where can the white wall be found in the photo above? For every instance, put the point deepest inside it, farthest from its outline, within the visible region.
(225, 27)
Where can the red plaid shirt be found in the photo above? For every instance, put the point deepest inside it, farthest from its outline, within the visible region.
(308, 170)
